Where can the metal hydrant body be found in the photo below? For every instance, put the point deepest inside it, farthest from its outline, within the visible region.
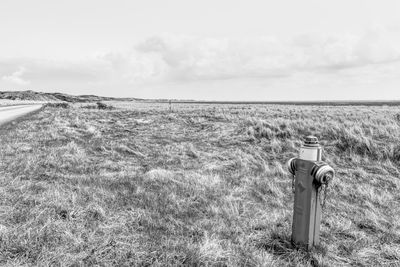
(307, 207)
(310, 173)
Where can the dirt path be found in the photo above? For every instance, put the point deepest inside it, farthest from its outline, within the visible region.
(10, 113)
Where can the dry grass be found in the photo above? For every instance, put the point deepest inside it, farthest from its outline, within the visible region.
(7, 102)
(201, 185)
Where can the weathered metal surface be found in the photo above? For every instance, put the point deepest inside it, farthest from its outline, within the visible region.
(309, 174)
(307, 207)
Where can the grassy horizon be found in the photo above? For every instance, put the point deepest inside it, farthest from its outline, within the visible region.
(201, 185)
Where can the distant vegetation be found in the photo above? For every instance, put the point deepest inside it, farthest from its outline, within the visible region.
(30, 95)
(39, 96)
(200, 185)
(98, 105)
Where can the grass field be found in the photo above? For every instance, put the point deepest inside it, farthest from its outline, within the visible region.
(6, 102)
(200, 185)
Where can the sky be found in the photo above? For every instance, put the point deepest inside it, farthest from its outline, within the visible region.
(240, 50)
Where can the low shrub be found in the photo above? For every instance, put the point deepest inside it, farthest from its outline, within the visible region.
(99, 105)
(58, 105)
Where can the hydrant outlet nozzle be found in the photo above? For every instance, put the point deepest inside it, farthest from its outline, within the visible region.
(291, 166)
(323, 174)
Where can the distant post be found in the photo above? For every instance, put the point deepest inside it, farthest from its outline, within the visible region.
(170, 106)
(310, 174)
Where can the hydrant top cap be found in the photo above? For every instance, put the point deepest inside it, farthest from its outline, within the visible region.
(311, 141)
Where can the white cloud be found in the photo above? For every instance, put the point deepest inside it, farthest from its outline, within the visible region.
(51, 71)
(304, 60)
(16, 77)
(180, 58)
(195, 58)
(174, 58)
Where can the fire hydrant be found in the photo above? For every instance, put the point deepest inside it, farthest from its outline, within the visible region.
(310, 175)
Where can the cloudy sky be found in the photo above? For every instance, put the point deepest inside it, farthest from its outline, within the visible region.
(208, 49)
